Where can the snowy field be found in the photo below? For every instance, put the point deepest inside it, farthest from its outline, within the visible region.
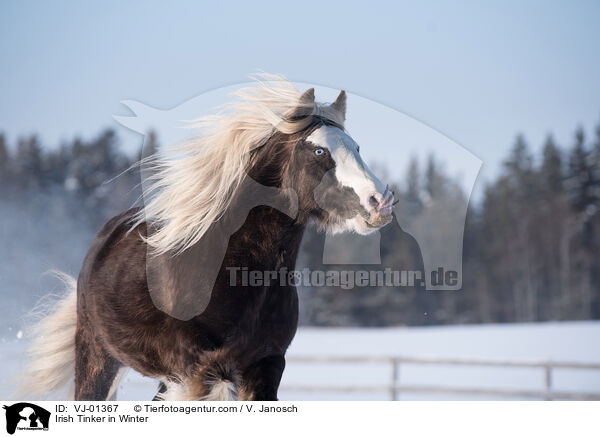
(566, 341)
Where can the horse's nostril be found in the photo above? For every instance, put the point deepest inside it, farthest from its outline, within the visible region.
(373, 202)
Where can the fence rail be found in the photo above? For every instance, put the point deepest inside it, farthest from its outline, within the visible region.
(394, 388)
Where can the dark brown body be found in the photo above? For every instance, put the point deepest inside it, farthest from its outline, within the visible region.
(247, 329)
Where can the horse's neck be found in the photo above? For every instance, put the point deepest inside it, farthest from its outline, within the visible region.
(271, 234)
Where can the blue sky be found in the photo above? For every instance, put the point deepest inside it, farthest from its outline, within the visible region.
(478, 72)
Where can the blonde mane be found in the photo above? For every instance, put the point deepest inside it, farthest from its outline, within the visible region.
(191, 184)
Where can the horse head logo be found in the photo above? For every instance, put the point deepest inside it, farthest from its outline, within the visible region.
(25, 415)
(437, 225)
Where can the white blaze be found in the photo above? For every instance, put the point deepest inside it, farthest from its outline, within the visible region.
(350, 170)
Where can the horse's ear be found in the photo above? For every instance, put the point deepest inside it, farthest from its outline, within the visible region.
(340, 103)
(307, 97)
(305, 107)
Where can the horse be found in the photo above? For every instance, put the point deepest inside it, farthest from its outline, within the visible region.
(127, 308)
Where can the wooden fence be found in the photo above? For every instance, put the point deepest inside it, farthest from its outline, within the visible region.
(395, 387)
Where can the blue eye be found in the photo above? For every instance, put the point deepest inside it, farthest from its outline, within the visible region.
(319, 151)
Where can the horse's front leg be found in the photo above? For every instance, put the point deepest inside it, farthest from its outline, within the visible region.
(261, 380)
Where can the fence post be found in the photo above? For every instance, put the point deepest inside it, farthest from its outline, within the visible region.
(394, 379)
(548, 381)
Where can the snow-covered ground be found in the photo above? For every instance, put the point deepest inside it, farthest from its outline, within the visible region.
(566, 341)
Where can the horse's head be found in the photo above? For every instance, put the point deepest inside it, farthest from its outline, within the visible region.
(334, 185)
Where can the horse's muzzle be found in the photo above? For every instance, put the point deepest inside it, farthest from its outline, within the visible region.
(381, 214)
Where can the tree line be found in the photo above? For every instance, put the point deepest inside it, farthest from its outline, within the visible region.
(530, 250)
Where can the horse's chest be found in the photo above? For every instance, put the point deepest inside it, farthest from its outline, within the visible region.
(274, 317)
